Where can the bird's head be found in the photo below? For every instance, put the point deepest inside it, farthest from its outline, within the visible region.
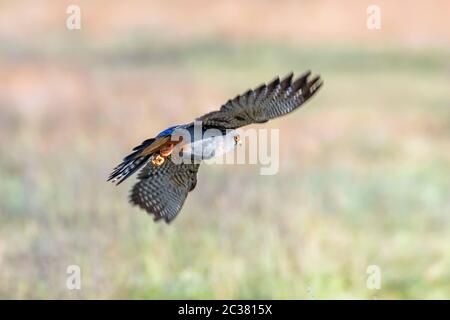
(237, 139)
(232, 139)
(227, 142)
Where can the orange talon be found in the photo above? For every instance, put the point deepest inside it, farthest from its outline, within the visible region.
(158, 160)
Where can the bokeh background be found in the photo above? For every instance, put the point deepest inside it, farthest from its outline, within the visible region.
(365, 167)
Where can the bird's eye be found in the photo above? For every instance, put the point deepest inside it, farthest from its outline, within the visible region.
(237, 139)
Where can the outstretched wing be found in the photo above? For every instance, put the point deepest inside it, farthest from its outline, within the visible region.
(163, 189)
(264, 103)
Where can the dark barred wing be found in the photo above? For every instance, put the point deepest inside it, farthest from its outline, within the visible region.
(163, 189)
(264, 103)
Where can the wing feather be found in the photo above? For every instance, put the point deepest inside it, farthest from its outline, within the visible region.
(162, 190)
(266, 102)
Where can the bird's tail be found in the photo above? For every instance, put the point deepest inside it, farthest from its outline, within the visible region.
(131, 163)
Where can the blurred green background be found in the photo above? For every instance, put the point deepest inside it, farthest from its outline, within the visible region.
(365, 167)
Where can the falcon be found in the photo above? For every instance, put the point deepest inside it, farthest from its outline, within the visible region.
(170, 161)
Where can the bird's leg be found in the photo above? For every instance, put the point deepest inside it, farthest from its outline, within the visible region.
(166, 150)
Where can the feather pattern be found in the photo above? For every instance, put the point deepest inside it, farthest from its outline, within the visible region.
(266, 102)
(162, 190)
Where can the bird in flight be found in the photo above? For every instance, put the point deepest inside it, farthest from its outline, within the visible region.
(170, 160)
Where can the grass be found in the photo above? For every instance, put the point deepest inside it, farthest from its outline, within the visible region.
(363, 177)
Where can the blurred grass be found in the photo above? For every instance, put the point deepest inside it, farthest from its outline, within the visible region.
(363, 177)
